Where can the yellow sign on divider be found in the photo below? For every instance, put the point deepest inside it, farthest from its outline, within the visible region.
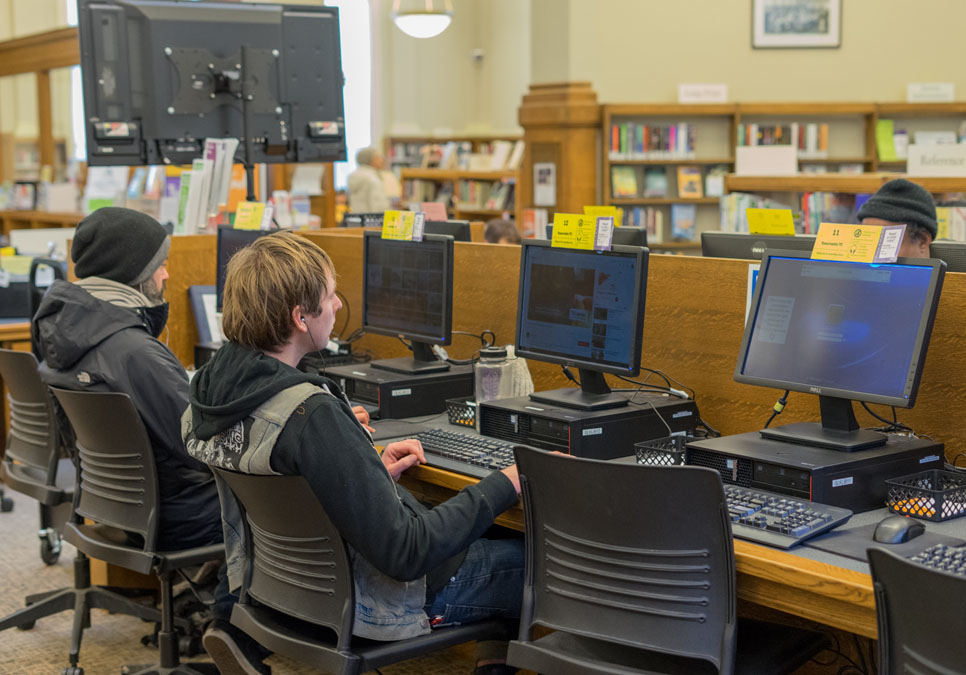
(770, 221)
(858, 243)
(248, 216)
(574, 230)
(612, 211)
(398, 225)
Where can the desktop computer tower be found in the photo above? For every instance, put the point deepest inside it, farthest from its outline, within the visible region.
(597, 434)
(400, 395)
(852, 480)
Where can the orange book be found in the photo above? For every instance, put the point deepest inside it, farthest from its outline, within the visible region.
(823, 137)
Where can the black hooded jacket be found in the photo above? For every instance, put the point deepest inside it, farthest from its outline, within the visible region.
(89, 344)
(324, 442)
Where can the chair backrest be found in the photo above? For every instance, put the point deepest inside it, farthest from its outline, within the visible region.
(32, 439)
(117, 478)
(918, 611)
(297, 561)
(635, 555)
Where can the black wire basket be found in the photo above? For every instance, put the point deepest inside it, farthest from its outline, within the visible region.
(461, 411)
(667, 451)
(934, 495)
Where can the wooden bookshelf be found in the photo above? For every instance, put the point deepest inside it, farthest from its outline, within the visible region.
(461, 211)
(13, 220)
(832, 182)
(915, 117)
(404, 151)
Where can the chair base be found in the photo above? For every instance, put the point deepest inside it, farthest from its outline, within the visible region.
(180, 669)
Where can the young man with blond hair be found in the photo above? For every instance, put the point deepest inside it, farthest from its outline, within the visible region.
(410, 563)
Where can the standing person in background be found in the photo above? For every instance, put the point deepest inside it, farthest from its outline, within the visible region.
(367, 188)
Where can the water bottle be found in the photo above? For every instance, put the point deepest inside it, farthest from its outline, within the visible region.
(492, 375)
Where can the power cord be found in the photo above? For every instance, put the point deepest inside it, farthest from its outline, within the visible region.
(484, 344)
(348, 313)
(778, 408)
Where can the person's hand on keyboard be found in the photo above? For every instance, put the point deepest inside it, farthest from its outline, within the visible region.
(514, 476)
(363, 416)
(401, 455)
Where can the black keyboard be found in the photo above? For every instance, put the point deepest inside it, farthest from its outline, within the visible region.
(779, 520)
(944, 558)
(476, 456)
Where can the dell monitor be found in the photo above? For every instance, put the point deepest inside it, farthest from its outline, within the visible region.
(623, 236)
(953, 253)
(585, 309)
(161, 76)
(362, 220)
(230, 241)
(459, 230)
(843, 330)
(751, 246)
(407, 292)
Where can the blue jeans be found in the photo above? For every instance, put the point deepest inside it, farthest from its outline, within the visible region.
(489, 584)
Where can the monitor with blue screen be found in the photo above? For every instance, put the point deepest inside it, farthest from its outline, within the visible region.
(845, 331)
(583, 309)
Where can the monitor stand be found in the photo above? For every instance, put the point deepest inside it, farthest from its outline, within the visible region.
(594, 394)
(422, 362)
(838, 430)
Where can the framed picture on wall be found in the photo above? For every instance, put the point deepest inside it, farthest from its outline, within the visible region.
(795, 24)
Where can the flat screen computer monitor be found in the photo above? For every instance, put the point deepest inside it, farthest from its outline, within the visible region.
(845, 331)
(459, 230)
(584, 309)
(751, 246)
(162, 76)
(362, 220)
(953, 253)
(230, 241)
(407, 291)
(623, 236)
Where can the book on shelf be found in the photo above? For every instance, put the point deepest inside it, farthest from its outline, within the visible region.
(655, 182)
(689, 182)
(826, 207)
(647, 217)
(733, 205)
(534, 224)
(516, 157)
(500, 155)
(635, 141)
(448, 158)
(623, 181)
(811, 139)
(952, 222)
(683, 217)
(714, 181)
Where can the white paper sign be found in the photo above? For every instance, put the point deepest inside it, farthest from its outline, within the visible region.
(4, 278)
(703, 93)
(605, 233)
(937, 160)
(544, 184)
(766, 160)
(419, 225)
(930, 92)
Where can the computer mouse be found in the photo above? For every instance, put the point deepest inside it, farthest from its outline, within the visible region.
(897, 530)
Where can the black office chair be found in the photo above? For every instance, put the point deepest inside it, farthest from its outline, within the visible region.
(31, 463)
(300, 578)
(118, 491)
(918, 610)
(633, 568)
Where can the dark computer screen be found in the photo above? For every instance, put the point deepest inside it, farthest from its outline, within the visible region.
(161, 76)
(408, 292)
(841, 330)
(459, 230)
(751, 246)
(230, 241)
(953, 253)
(584, 309)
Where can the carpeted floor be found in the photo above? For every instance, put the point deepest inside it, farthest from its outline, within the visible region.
(112, 641)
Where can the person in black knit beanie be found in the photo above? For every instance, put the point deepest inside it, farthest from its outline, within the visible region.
(902, 201)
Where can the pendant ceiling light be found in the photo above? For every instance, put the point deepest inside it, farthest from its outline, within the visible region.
(422, 18)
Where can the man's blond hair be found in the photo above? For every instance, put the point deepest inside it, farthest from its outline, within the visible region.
(265, 281)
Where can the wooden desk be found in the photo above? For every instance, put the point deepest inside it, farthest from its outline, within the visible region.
(823, 593)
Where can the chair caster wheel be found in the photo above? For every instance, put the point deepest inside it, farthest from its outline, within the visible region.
(72, 670)
(50, 547)
(26, 626)
(6, 504)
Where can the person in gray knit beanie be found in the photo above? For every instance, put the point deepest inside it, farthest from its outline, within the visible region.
(902, 201)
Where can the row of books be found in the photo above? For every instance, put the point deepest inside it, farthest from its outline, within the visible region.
(811, 139)
(952, 222)
(682, 221)
(892, 143)
(733, 205)
(692, 182)
(630, 140)
(479, 194)
(497, 155)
